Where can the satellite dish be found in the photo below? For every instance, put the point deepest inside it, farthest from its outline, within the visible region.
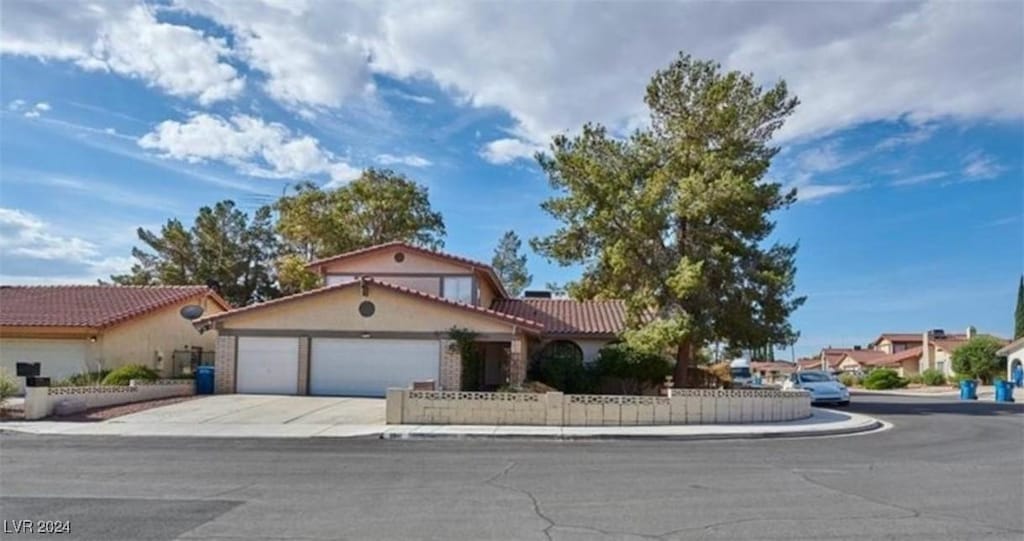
(191, 311)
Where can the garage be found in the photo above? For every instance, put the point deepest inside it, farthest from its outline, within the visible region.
(267, 365)
(368, 367)
(59, 359)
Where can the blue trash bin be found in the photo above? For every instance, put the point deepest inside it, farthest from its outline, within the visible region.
(204, 380)
(968, 389)
(1004, 391)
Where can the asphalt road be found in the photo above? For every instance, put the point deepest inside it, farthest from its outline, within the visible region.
(947, 470)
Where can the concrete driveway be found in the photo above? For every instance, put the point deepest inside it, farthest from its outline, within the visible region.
(232, 409)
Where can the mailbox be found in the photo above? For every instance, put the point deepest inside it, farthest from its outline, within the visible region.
(37, 381)
(26, 370)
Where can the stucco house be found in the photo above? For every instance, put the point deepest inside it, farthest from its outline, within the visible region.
(1014, 353)
(78, 328)
(909, 353)
(383, 319)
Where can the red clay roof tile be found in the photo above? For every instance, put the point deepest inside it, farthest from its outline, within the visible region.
(569, 317)
(88, 306)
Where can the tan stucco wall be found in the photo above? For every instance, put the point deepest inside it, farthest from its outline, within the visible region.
(486, 292)
(138, 341)
(338, 310)
(849, 364)
(384, 261)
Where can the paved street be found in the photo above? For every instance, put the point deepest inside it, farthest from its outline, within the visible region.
(947, 470)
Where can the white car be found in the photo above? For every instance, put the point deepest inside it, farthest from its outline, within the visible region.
(823, 387)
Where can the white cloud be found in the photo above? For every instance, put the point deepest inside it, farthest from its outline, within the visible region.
(16, 105)
(507, 150)
(126, 39)
(248, 144)
(42, 106)
(411, 160)
(24, 234)
(812, 192)
(980, 166)
(34, 112)
(919, 179)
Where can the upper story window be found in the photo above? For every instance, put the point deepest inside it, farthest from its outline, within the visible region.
(458, 288)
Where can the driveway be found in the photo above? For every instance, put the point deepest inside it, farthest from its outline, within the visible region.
(242, 409)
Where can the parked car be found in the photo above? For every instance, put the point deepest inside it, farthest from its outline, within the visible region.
(823, 387)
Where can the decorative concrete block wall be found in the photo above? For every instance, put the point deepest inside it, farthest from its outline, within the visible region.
(41, 401)
(683, 406)
(224, 365)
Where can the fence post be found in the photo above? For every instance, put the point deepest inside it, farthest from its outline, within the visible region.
(37, 401)
(395, 406)
(554, 409)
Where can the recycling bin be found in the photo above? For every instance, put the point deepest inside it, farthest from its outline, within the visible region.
(1004, 391)
(204, 380)
(968, 389)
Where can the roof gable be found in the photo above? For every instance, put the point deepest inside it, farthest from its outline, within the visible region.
(468, 264)
(90, 306)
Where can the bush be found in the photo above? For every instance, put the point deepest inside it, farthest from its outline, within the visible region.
(916, 379)
(635, 370)
(8, 387)
(850, 379)
(84, 379)
(123, 375)
(933, 377)
(977, 358)
(884, 378)
(567, 374)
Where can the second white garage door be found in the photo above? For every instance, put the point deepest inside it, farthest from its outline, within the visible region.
(267, 365)
(368, 367)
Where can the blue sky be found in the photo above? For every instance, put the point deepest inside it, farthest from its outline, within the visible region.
(906, 149)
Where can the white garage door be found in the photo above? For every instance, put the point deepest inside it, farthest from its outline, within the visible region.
(267, 365)
(368, 367)
(59, 359)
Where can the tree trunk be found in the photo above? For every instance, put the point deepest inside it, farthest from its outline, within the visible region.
(680, 376)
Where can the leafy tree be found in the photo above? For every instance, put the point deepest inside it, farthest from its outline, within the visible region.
(1018, 321)
(977, 358)
(223, 245)
(510, 264)
(380, 206)
(675, 217)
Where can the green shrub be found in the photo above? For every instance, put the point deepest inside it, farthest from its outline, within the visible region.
(849, 379)
(8, 387)
(884, 378)
(916, 379)
(567, 374)
(977, 359)
(933, 377)
(84, 379)
(123, 375)
(634, 370)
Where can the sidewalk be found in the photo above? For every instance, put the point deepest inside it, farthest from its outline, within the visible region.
(821, 423)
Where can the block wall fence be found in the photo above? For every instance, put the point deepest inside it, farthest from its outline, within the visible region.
(681, 407)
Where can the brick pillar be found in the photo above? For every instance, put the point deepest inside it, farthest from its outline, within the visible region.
(517, 360)
(451, 367)
(224, 365)
(303, 365)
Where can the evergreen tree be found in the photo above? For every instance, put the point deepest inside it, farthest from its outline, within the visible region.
(1018, 322)
(510, 264)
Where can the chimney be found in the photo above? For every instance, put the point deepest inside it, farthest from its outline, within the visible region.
(971, 332)
(537, 294)
(856, 348)
(926, 352)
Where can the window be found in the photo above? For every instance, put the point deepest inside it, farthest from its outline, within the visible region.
(941, 366)
(458, 288)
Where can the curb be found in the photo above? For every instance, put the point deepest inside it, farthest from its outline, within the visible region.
(872, 425)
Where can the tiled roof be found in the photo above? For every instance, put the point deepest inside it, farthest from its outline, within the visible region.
(898, 357)
(425, 251)
(898, 337)
(777, 366)
(88, 306)
(865, 356)
(524, 322)
(1011, 347)
(834, 355)
(809, 363)
(569, 317)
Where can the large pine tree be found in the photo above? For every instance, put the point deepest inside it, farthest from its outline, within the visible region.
(510, 264)
(675, 218)
(1018, 321)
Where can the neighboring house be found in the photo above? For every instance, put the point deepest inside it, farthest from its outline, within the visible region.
(895, 342)
(382, 320)
(772, 372)
(75, 329)
(858, 360)
(1014, 353)
(906, 362)
(828, 359)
